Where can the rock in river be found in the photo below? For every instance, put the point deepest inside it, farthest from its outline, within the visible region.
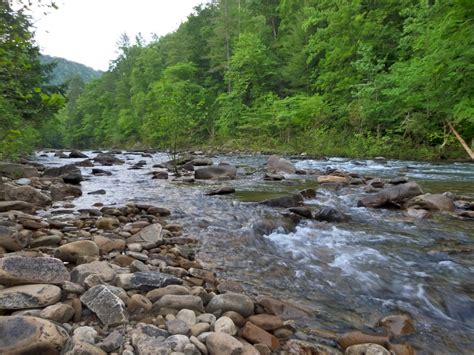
(432, 202)
(216, 172)
(30, 335)
(110, 309)
(392, 195)
(149, 237)
(293, 200)
(276, 164)
(16, 270)
(29, 296)
(236, 302)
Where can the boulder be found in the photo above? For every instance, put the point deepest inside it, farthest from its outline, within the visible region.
(157, 293)
(266, 321)
(304, 347)
(330, 214)
(74, 251)
(222, 343)
(27, 194)
(357, 337)
(225, 190)
(77, 154)
(146, 280)
(59, 312)
(256, 335)
(216, 172)
(17, 270)
(97, 171)
(17, 171)
(201, 162)
(431, 202)
(107, 159)
(16, 206)
(29, 296)
(302, 211)
(30, 335)
(149, 237)
(60, 191)
(366, 349)
(177, 326)
(394, 195)
(288, 201)
(12, 239)
(100, 268)
(333, 179)
(275, 164)
(70, 173)
(108, 307)
(230, 301)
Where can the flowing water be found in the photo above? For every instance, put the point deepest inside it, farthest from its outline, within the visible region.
(381, 262)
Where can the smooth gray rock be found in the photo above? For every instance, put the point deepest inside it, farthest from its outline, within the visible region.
(17, 206)
(17, 270)
(230, 301)
(179, 302)
(29, 296)
(110, 309)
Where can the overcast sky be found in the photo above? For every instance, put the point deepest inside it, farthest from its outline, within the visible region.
(87, 31)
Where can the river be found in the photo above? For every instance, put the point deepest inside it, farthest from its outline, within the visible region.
(379, 263)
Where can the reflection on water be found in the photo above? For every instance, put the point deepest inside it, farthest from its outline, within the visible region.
(381, 262)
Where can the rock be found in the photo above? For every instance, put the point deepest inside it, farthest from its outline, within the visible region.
(236, 318)
(392, 195)
(27, 194)
(236, 302)
(146, 280)
(85, 334)
(333, 179)
(288, 201)
(302, 211)
(303, 347)
(107, 223)
(282, 309)
(330, 214)
(308, 193)
(70, 174)
(96, 171)
(97, 192)
(156, 294)
(60, 312)
(177, 342)
(266, 321)
(257, 335)
(101, 268)
(199, 328)
(222, 343)
(431, 202)
(177, 326)
(230, 286)
(23, 181)
(16, 270)
(366, 349)
(112, 342)
(30, 335)
(273, 177)
(398, 325)
(13, 240)
(74, 251)
(356, 337)
(201, 162)
(108, 244)
(138, 304)
(106, 305)
(77, 154)
(160, 175)
(188, 316)
(225, 190)
(60, 191)
(75, 348)
(200, 346)
(180, 301)
(225, 325)
(216, 172)
(107, 159)
(29, 296)
(44, 241)
(418, 213)
(276, 164)
(17, 171)
(17, 206)
(149, 237)
(401, 349)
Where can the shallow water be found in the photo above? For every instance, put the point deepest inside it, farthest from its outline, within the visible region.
(380, 263)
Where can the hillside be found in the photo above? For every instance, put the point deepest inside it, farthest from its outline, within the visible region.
(65, 69)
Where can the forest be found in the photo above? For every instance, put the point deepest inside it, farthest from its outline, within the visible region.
(342, 78)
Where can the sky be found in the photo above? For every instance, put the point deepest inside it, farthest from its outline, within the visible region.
(87, 31)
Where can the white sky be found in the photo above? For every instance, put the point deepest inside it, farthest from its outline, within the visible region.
(87, 31)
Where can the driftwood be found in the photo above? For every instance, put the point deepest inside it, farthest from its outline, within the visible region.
(462, 141)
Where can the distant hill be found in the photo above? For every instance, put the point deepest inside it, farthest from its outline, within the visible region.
(65, 69)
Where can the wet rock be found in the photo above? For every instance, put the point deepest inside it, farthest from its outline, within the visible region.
(13, 240)
(236, 302)
(418, 213)
(107, 159)
(146, 280)
(216, 172)
(222, 343)
(273, 177)
(225, 190)
(30, 335)
(266, 321)
(366, 349)
(107, 223)
(160, 175)
(112, 342)
(257, 335)
(70, 174)
(16, 205)
(97, 192)
(179, 302)
(15, 270)
(60, 191)
(106, 305)
(275, 164)
(333, 179)
(330, 214)
(302, 211)
(431, 202)
(202, 162)
(17, 171)
(77, 154)
(356, 337)
(284, 310)
(74, 251)
(398, 325)
(27, 194)
(149, 237)
(59, 312)
(393, 195)
(303, 347)
(292, 200)
(177, 326)
(97, 171)
(29, 296)
(100, 268)
(225, 325)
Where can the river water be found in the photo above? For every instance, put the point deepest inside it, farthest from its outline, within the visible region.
(379, 263)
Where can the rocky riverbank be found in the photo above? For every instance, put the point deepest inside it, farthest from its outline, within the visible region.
(125, 280)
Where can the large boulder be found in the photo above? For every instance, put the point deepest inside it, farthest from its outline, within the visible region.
(16, 206)
(110, 309)
(107, 159)
(431, 202)
(216, 172)
(17, 270)
(27, 194)
(17, 171)
(60, 191)
(222, 343)
(391, 196)
(70, 173)
(275, 164)
(29, 296)
(30, 335)
(282, 309)
(288, 201)
(77, 154)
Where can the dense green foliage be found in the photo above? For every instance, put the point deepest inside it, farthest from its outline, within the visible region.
(64, 70)
(26, 104)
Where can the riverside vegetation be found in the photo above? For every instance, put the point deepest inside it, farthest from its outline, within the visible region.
(355, 78)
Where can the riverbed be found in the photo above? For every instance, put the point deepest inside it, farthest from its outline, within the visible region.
(353, 273)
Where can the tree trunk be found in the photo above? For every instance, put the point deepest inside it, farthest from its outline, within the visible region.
(461, 140)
